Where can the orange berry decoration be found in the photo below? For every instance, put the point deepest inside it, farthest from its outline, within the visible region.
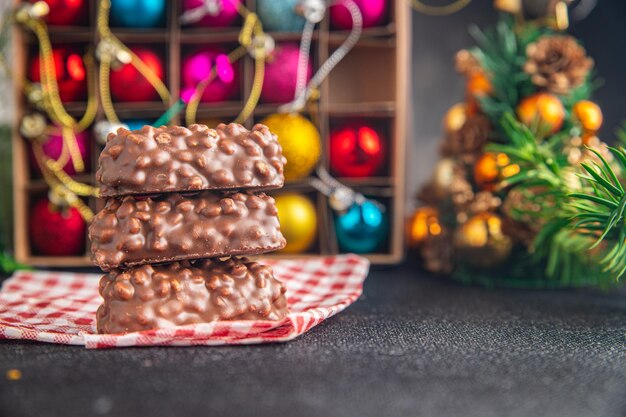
(424, 224)
(492, 168)
(588, 114)
(542, 112)
(478, 85)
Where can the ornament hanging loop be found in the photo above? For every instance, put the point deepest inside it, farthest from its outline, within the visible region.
(312, 10)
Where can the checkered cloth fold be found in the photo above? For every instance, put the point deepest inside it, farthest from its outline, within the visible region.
(60, 307)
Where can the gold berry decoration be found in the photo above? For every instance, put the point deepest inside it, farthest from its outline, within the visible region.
(424, 224)
(492, 168)
(541, 112)
(588, 114)
(481, 242)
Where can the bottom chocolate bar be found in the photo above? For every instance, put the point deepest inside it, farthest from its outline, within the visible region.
(167, 295)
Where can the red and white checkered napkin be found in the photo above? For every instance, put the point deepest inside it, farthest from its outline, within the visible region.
(60, 307)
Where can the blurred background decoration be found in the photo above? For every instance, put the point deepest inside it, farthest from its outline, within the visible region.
(524, 189)
(82, 69)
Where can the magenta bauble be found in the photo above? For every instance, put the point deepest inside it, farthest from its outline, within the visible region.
(56, 231)
(374, 13)
(128, 84)
(279, 84)
(197, 67)
(357, 149)
(53, 146)
(227, 16)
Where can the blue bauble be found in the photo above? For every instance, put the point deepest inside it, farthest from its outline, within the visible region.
(362, 229)
(138, 13)
(279, 15)
(136, 124)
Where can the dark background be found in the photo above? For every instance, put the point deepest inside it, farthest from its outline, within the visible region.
(436, 85)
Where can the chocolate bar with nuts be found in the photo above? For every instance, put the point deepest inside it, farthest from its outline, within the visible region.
(173, 227)
(161, 296)
(168, 159)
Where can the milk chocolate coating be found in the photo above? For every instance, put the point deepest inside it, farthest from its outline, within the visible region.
(172, 227)
(161, 296)
(166, 159)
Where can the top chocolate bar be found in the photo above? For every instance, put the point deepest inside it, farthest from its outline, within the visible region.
(168, 159)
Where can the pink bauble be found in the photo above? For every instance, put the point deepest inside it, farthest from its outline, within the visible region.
(197, 67)
(279, 84)
(53, 146)
(373, 11)
(227, 16)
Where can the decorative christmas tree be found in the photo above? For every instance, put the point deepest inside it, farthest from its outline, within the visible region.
(518, 197)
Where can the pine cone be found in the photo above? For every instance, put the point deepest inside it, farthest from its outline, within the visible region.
(466, 63)
(437, 253)
(468, 142)
(557, 63)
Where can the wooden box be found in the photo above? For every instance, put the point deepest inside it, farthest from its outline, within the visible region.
(370, 82)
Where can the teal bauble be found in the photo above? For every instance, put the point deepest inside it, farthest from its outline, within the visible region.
(138, 13)
(363, 228)
(279, 15)
(136, 124)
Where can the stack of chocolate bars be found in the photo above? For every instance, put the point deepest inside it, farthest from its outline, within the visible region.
(182, 203)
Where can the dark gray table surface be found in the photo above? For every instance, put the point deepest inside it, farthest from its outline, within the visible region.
(413, 345)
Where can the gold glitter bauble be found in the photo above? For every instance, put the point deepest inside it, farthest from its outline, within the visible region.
(481, 242)
(424, 224)
(298, 222)
(300, 141)
(455, 117)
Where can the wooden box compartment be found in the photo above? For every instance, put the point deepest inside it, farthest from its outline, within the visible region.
(371, 83)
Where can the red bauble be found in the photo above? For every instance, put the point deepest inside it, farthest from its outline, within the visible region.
(70, 73)
(127, 84)
(55, 231)
(356, 150)
(66, 12)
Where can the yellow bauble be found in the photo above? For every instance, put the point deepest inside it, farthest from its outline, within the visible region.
(455, 117)
(300, 141)
(542, 112)
(424, 224)
(588, 114)
(298, 221)
(481, 242)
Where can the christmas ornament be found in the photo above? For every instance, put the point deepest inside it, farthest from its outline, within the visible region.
(210, 13)
(364, 228)
(70, 73)
(374, 13)
(279, 83)
(128, 84)
(557, 63)
(478, 86)
(481, 242)
(280, 16)
(424, 224)
(52, 147)
(588, 115)
(357, 149)
(197, 67)
(136, 124)
(300, 141)
(138, 13)
(492, 168)
(444, 177)
(542, 112)
(298, 221)
(56, 231)
(455, 118)
(65, 12)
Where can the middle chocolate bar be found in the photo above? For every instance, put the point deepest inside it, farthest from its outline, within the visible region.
(174, 227)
